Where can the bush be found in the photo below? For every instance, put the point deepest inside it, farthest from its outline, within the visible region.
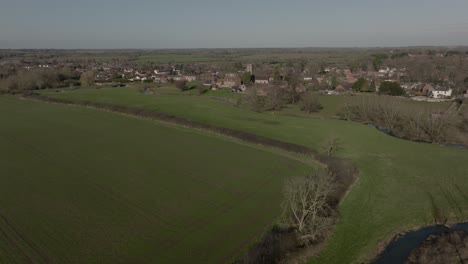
(201, 88)
(362, 85)
(272, 248)
(391, 88)
(181, 85)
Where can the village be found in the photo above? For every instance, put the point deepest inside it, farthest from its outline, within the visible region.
(331, 81)
(304, 75)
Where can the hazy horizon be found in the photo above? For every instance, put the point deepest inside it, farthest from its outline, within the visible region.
(209, 24)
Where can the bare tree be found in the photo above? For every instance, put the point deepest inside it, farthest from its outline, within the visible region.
(331, 146)
(87, 79)
(253, 100)
(310, 103)
(275, 99)
(436, 126)
(293, 80)
(306, 208)
(405, 119)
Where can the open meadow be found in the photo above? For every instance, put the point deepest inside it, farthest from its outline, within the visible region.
(401, 183)
(80, 185)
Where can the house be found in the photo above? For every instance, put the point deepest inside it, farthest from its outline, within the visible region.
(240, 89)
(424, 89)
(157, 72)
(230, 80)
(330, 92)
(387, 72)
(440, 93)
(344, 88)
(410, 86)
(190, 78)
(350, 77)
(177, 78)
(262, 79)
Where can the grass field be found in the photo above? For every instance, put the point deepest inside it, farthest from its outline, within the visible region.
(397, 180)
(333, 104)
(85, 186)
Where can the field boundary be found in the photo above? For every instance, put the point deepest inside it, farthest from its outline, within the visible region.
(139, 112)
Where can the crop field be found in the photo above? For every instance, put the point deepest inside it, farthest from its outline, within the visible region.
(79, 185)
(400, 183)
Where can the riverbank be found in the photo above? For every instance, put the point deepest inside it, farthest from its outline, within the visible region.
(402, 245)
(450, 247)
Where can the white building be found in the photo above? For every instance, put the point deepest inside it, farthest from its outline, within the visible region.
(190, 78)
(262, 80)
(440, 93)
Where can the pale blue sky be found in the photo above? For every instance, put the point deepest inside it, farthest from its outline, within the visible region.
(98, 24)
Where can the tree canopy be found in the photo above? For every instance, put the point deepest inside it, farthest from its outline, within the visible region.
(362, 85)
(391, 88)
(246, 78)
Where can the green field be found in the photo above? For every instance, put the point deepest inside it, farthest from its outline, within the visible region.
(179, 58)
(334, 103)
(397, 177)
(86, 186)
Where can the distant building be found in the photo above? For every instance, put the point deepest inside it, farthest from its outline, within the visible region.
(424, 89)
(250, 68)
(344, 88)
(440, 93)
(190, 78)
(177, 78)
(350, 77)
(262, 79)
(230, 80)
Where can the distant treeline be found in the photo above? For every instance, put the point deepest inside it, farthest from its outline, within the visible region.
(411, 121)
(18, 81)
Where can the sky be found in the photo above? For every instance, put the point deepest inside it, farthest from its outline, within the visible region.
(177, 24)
